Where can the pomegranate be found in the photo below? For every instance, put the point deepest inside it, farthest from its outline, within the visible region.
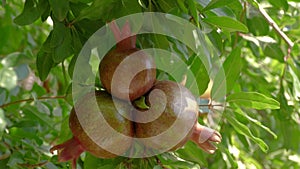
(181, 106)
(126, 72)
(89, 129)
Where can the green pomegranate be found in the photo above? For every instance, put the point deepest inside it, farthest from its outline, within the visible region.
(126, 72)
(92, 122)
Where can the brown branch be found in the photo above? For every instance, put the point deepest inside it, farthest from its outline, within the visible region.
(32, 99)
(276, 27)
(159, 162)
(33, 165)
(211, 105)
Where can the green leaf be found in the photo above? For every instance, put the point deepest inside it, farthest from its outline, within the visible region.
(21, 133)
(44, 63)
(197, 82)
(76, 42)
(258, 26)
(255, 121)
(217, 4)
(2, 122)
(60, 8)
(232, 68)
(166, 5)
(273, 50)
(182, 5)
(296, 84)
(216, 40)
(61, 42)
(42, 117)
(280, 4)
(229, 156)
(96, 10)
(226, 23)
(191, 152)
(31, 12)
(8, 78)
(253, 100)
(193, 11)
(244, 130)
(65, 49)
(97, 163)
(226, 77)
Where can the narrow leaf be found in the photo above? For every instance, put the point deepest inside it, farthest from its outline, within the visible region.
(226, 23)
(244, 130)
(217, 4)
(193, 11)
(2, 122)
(226, 77)
(258, 123)
(273, 50)
(198, 81)
(253, 100)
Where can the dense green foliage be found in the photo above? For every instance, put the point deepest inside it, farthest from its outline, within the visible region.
(41, 39)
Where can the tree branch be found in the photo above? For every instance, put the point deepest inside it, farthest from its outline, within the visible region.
(32, 99)
(276, 27)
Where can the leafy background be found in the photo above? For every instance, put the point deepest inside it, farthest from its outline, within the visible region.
(257, 41)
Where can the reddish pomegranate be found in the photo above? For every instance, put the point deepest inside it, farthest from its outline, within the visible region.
(180, 105)
(126, 72)
(89, 129)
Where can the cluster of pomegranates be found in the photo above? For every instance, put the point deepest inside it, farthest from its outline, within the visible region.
(128, 74)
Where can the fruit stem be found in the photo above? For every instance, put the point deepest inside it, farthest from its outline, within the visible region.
(69, 150)
(125, 39)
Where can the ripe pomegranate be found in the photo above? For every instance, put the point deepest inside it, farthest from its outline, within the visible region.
(89, 129)
(180, 105)
(126, 72)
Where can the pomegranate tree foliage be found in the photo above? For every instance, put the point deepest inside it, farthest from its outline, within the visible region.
(257, 42)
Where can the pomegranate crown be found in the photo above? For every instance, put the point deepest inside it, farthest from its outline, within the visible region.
(125, 39)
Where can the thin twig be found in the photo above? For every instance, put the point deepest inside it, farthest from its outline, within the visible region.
(32, 99)
(159, 162)
(33, 165)
(241, 19)
(211, 105)
(276, 27)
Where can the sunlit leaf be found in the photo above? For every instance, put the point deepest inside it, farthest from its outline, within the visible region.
(244, 130)
(217, 3)
(8, 78)
(226, 23)
(255, 121)
(253, 100)
(2, 122)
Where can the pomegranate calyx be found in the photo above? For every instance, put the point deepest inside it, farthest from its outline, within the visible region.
(68, 151)
(203, 136)
(126, 40)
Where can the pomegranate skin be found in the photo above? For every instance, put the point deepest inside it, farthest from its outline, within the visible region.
(91, 121)
(94, 131)
(129, 83)
(181, 106)
(126, 72)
